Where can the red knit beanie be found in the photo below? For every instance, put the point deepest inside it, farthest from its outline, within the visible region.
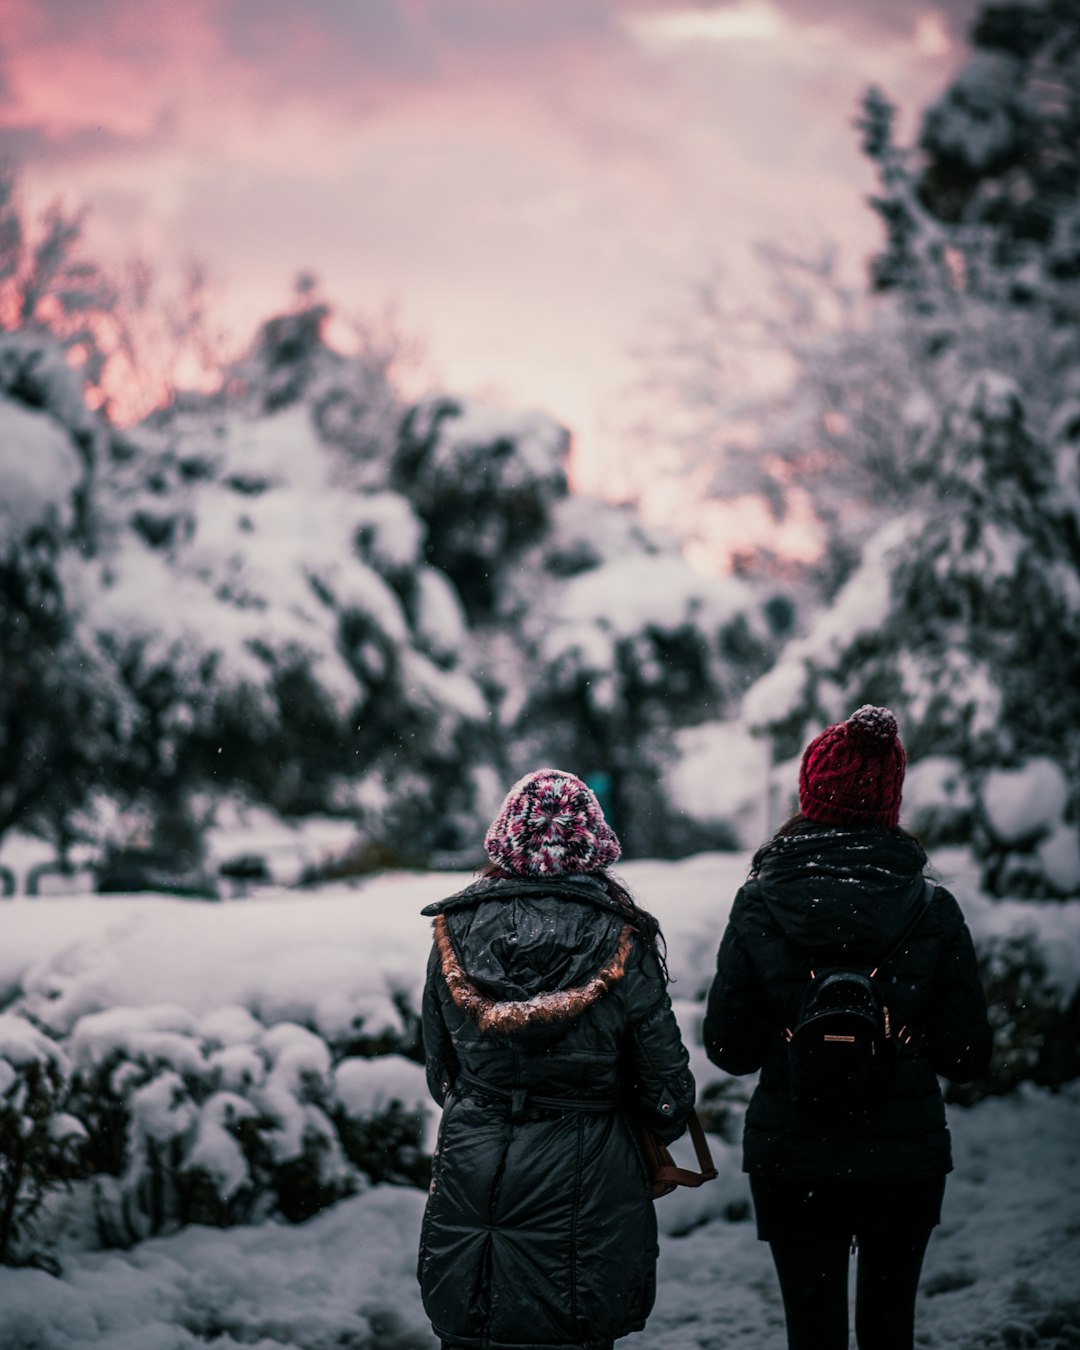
(550, 824)
(853, 772)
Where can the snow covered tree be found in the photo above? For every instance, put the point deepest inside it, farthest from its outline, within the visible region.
(64, 715)
(46, 285)
(132, 335)
(995, 188)
(221, 598)
(979, 271)
(965, 618)
(305, 653)
(484, 481)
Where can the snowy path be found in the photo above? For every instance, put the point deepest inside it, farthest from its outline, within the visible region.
(1001, 1272)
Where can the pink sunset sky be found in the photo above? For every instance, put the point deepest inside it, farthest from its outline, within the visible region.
(530, 182)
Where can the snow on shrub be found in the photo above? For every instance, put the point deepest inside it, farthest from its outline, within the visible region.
(305, 1157)
(223, 1120)
(1035, 1020)
(735, 796)
(37, 1138)
(1059, 859)
(1024, 804)
(938, 802)
(484, 481)
(320, 650)
(646, 627)
(382, 1112)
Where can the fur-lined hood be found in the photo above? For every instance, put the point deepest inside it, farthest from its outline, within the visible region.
(530, 956)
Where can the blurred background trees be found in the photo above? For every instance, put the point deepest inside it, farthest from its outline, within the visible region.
(280, 573)
(301, 588)
(930, 420)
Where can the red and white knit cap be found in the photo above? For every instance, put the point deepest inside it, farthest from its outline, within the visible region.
(852, 774)
(549, 825)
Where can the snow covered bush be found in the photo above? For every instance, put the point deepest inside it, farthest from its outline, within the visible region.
(719, 776)
(38, 1141)
(484, 481)
(307, 655)
(381, 1108)
(222, 1120)
(628, 653)
(1036, 1023)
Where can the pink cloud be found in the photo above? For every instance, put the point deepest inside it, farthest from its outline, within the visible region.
(530, 180)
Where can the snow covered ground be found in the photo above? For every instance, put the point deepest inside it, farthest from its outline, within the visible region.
(1001, 1270)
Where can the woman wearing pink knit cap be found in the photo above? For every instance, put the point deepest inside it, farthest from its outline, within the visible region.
(548, 1034)
(850, 981)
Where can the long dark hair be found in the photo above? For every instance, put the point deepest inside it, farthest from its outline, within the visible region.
(800, 824)
(639, 920)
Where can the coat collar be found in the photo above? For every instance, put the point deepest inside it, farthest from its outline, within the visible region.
(578, 886)
(553, 1006)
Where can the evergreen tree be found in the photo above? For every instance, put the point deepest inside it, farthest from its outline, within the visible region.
(994, 192)
(65, 718)
(980, 270)
(965, 618)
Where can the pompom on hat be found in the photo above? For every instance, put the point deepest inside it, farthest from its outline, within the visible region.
(551, 824)
(853, 773)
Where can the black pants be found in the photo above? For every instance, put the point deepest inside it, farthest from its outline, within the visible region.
(813, 1283)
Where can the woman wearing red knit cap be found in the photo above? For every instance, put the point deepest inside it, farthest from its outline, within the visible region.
(840, 887)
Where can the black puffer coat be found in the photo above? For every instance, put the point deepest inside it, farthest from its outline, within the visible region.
(842, 898)
(547, 1027)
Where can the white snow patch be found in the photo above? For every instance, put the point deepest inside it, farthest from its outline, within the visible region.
(721, 774)
(1059, 858)
(365, 1086)
(1022, 803)
(39, 470)
(1005, 1252)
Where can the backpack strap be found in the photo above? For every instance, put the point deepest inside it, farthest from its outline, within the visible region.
(929, 889)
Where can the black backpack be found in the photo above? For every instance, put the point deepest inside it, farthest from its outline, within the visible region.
(842, 1045)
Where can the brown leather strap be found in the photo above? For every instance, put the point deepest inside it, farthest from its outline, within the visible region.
(682, 1176)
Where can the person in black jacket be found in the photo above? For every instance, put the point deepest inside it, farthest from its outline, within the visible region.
(836, 887)
(548, 1034)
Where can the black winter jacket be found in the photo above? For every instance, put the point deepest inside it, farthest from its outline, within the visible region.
(842, 898)
(547, 1030)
